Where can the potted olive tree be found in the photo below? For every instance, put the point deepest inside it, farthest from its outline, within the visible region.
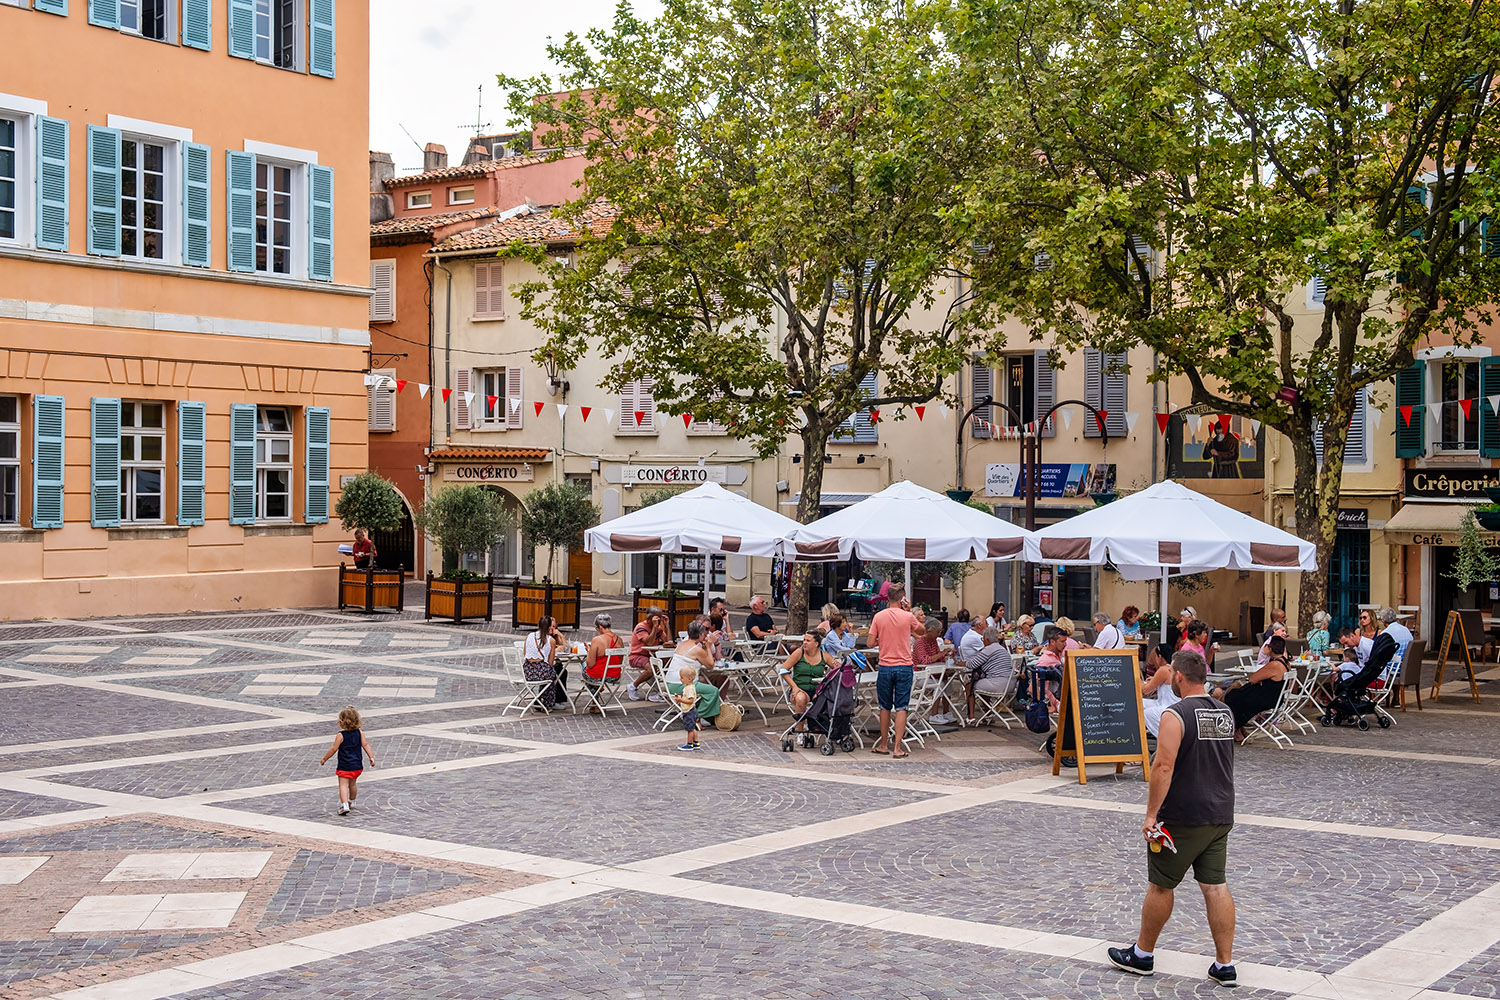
(556, 516)
(463, 519)
(369, 503)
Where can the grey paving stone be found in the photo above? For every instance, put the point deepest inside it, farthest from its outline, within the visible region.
(122, 835)
(346, 681)
(1479, 977)
(21, 960)
(19, 805)
(41, 630)
(318, 883)
(168, 744)
(565, 727)
(225, 623)
(61, 712)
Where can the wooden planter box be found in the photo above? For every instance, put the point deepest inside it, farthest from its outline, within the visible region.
(368, 589)
(681, 609)
(461, 600)
(531, 600)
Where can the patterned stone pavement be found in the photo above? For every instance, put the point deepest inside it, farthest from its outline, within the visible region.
(165, 830)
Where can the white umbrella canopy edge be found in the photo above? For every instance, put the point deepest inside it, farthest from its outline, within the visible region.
(707, 519)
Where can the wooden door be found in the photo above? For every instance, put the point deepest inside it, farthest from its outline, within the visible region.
(581, 568)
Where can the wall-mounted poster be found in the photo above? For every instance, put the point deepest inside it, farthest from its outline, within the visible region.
(1200, 446)
(1004, 479)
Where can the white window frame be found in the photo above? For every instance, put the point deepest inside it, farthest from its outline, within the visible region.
(1435, 394)
(1317, 290)
(169, 21)
(480, 417)
(11, 428)
(264, 463)
(453, 195)
(131, 409)
(383, 311)
(171, 197)
(24, 112)
(296, 222)
(299, 34)
(419, 199)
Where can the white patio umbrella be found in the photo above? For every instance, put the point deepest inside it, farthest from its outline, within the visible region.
(907, 523)
(707, 520)
(1168, 529)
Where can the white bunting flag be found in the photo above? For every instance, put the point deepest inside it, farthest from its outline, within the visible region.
(1130, 419)
(1495, 403)
(562, 410)
(468, 399)
(422, 389)
(515, 404)
(1375, 414)
(609, 415)
(1194, 421)
(1173, 407)
(1067, 418)
(1254, 427)
(944, 408)
(1435, 411)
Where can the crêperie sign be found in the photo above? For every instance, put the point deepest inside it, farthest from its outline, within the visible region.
(1101, 720)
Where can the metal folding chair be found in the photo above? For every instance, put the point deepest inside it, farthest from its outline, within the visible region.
(601, 689)
(998, 706)
(1390, 681)
(1268, 723)
(923, 696)
(670, 711)
(528, 693)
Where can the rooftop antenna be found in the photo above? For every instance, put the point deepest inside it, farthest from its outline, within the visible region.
(413, 138)
(479, 123)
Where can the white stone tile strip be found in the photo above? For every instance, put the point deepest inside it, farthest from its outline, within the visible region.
(14, 871)
(185, 866)
(59, 658)
(169, 911)
(96, 650)
(284, 690)
(162, 661)
(1427, 953)
(401, 680)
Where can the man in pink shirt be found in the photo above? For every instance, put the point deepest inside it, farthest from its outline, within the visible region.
(891, 631)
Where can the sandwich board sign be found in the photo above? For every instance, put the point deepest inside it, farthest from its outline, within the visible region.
(1455, 626)
(1101, 720)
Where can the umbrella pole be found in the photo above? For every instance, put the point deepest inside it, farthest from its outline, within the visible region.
(708, 567)
(911, 585)
(1164, 604)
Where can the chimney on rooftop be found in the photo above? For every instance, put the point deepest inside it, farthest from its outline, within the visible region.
(382, 169)
(435, 156)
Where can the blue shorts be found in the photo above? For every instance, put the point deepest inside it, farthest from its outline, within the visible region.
(893, 688)
(690, 720)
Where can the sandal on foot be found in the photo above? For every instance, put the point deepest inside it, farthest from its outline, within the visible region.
(900, 756)
(879, 750)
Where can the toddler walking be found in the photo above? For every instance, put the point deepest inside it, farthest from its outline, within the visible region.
(687, 700)
(348, 745)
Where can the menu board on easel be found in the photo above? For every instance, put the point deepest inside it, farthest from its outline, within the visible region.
(1100, 720)
(1454, 627)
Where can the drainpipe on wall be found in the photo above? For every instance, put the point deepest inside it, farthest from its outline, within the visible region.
(447, 347)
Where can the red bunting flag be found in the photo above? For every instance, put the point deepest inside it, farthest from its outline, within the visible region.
(640, 417)
(921, 410)
(1466, 403)
(1162, 420)
(538, 408)
(585, 410)
(1224, 422)
(400, 384)
(446, 394)
(874, 414)
(687, 420)
(1405, 415)
(494, 402)
(1099, 417)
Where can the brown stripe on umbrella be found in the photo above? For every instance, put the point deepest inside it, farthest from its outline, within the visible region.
(998, 548)
(1266, 554)
(635, 543)
(1065, 548)
(730, 543)
(1169, 553)
(690, 548)
(827, 547)
(916, 548)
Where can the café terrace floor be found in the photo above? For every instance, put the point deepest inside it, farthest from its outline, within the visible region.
(165, 831)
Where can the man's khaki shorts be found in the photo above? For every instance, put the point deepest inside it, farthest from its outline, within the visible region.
(1202, 848)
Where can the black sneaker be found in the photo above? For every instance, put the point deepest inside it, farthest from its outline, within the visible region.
(1223, 974)
(1126, 958)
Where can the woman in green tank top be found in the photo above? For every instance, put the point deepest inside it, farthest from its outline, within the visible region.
(802, 670)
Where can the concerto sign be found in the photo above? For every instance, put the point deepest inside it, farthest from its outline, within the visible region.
(489, 473)
(674, 475)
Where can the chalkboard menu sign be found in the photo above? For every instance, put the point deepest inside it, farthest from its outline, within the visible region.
(1101, 720)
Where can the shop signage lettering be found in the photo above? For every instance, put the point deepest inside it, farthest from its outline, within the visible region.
(1448, 484)
(675, 475)
(1072, 480)
(1355, 519)
(489, 473)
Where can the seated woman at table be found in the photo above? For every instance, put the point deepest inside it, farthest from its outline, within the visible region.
(652, 631)
(603, 641)
(841, 638)
(1264, 656)
(996, 617)
(827, 612)
(1177, 630)
(1066, 624)
(1130, 621)
(1318, 639)
(541, 664)
(1026, 633)
(693, 651)
(801, 671)
(1260, 690)
(1156, 689)
(1195, 639)
(928, 647)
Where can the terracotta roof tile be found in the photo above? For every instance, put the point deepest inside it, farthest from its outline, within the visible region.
(478, 169)
(427, 223)
(536, 227)
(462, 454)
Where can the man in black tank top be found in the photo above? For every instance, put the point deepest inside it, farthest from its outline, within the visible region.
(1192, 799)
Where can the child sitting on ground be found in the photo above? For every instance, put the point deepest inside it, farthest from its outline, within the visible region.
(687, 700)
(348, 745)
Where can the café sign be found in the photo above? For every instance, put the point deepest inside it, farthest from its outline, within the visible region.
(494, 473)
(1450, 484)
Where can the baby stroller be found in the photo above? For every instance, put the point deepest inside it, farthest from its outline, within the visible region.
(828, 713)
(1352, 702)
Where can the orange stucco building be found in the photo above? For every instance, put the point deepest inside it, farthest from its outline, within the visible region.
(183, 299)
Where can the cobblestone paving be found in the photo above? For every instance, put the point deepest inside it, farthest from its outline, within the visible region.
(318, 883)
(1479, 977)
(225, 623)
(19, 633)
(264, 767)
(565, 727)
(591, 809)
(123, 835)
(19, 805)
(28, 959)
(86, 753)
(61, 712)
(631, 945)
(346, 685)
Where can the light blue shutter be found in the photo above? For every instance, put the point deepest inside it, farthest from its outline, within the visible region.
(241, 217)
(242, 28)
(322, 35)
(197, 25)
(317, 465)
(104, 191)
(104, 13)
(104, 430)
(52, 6)
(192, 422)
(48, 422)
(52, 182)
(982, 383)
(866, 431)
(242, 463)
(320, 223)
(195, 210)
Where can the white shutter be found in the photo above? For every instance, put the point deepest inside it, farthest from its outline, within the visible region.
(383, 281)
(626, 413)
(982, 381)
(1041, 261)
(1356, 444)
(512, 388)
(489, 290)
(383, 401)
(1317, 290)
(1044, 393)
(646, 403)
(463, 381)
(1116, 394)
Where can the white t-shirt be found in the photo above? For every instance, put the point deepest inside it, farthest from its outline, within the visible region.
(971, 643)
(1109, 638)
(534, 651)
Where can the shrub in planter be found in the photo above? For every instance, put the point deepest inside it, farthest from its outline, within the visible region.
(556, 516)
(368, 502)
(465, 519)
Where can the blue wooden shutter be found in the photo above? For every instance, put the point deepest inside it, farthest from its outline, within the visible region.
(52, 6)
(242, 28)
(317, 465)
(320, 223)
(104, 191)
(48, 423)
(240, 219)
(104, 462)
(322, 35)
(52, 182)
(866, 430)
(192, 422)
(982, 382)
(104, 13)
(1489, 426)
(1410, 389)
(195, 210)
(242, 463)
(197, 24)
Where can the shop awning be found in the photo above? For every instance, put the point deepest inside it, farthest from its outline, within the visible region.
(1428, 524)
(830, 499)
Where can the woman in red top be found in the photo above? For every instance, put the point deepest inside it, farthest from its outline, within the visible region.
(599, 647)
(363, 550)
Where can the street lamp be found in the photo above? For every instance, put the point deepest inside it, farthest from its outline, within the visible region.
(1031, 446)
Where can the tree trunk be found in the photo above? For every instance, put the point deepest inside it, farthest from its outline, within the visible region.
(1316, 499)
(814, 438)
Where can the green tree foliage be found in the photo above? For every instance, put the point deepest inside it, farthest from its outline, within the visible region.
(787, 182)
(1475, 564)
(1253, 147)
(465, 519)
(651, 497)
(369, 501)
(556, 516)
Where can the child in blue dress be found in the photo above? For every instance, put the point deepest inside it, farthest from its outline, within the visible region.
(348, 745)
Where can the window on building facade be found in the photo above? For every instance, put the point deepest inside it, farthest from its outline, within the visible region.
(273, 464)
(494, 389)
(419, 199)
(860, 427)
(382, 412)
(147, 18)
(1459, 380)
(637, 413)
(273, 217)
(383, 283)
(143, 466)
(1027, 383)
(461, 195)
(143, 199)
(277, 34)
(10, 163)
(489, 290)
(10, 459)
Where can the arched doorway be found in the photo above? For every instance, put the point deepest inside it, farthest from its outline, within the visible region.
(509, 558)
(397, 546)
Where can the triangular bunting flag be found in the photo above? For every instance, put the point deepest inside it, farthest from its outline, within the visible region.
(1194, 421)
(1435, 411)
(1099, 417)
(446, 394)
(920, 410)
(494, 402)
(515, 404)
(1466, 404)
(640, 417)
(1495, 403)
(468, 399)
(1130, 419)
(687, 421)
(1254, 427)
(422, 388)
(1375, 416)
(609, 416)
(944, 408)
(874, 414)
(585, 410)
(1224, 422)
(1405, 412)
(1162, 419)
(562, 410)
(1067, 418)
(538, 405)
(400, 384)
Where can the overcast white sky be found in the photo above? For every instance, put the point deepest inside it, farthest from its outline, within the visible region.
(428, 59)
